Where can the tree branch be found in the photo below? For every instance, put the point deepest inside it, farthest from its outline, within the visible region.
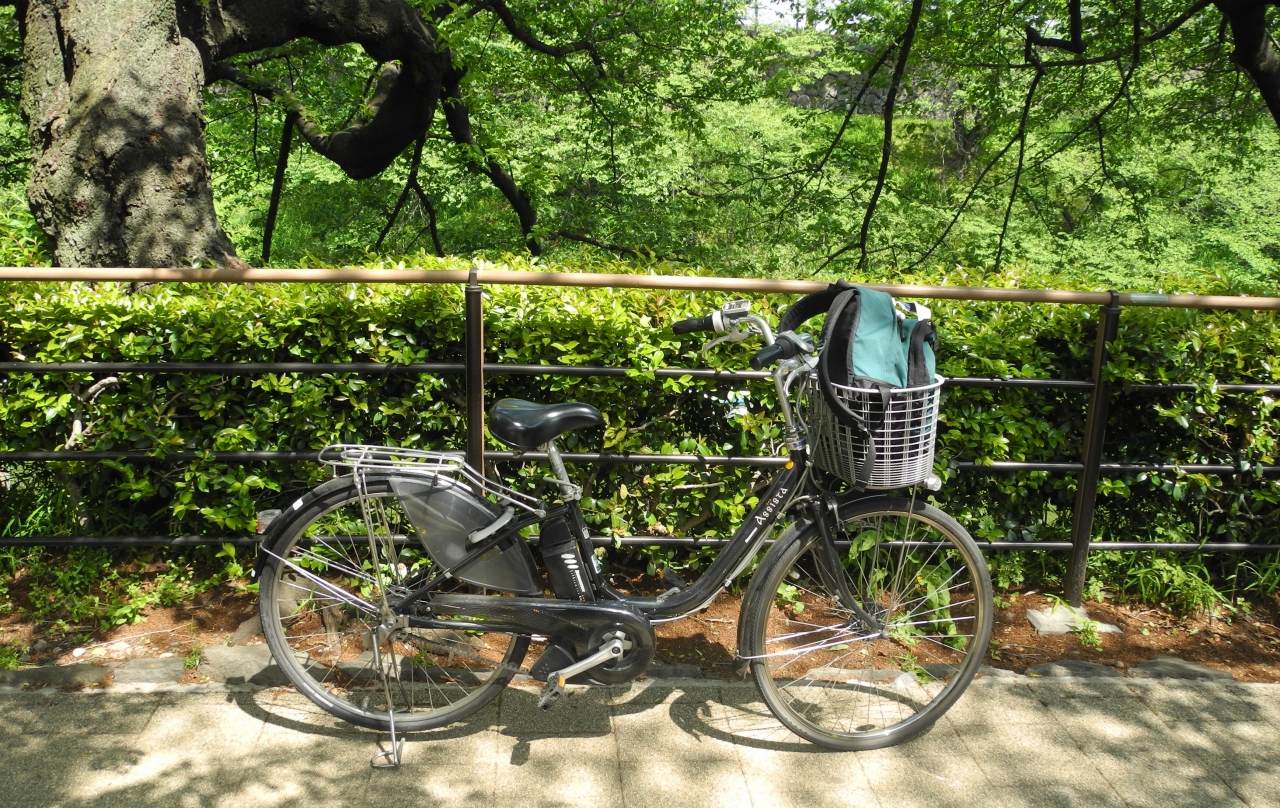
(392, 32)
(1075, 44)
(431, 219)
(844, 125)
(904, 50)
(525, 37)
(1155, 36)
(458, 119)
(1022, 148)
(972, 190)
(615, 247)
(404, 194)
(1254, 51)
(277, 185)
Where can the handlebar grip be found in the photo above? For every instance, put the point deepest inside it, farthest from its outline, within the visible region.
(768, 355)
(694, 324)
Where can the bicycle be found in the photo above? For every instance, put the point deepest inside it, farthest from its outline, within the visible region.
(404, 594)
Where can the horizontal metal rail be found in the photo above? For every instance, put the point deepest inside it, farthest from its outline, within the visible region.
(693, 283)
(631, 458)
(504, 369)
(657, 541)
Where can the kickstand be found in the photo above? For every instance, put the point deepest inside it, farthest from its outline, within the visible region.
(389, 758)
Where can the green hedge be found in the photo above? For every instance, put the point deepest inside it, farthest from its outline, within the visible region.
(622, 328)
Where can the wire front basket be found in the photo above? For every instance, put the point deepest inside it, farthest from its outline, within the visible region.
(903, 443)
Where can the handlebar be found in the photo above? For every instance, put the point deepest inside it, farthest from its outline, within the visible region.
(694, 324)
(768, 355)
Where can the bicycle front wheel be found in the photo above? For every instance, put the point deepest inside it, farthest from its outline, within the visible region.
(864, 681)
(321, 599)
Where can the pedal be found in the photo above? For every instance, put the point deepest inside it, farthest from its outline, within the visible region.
(554, 688)
(551, 692)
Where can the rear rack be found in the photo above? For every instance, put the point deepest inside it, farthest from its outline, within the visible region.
(363, 459)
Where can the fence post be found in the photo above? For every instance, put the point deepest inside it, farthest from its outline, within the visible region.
(1095, 430)
(475, 372)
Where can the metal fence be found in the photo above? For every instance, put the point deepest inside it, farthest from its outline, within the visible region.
(1090, 468)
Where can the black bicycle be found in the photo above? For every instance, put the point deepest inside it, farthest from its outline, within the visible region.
(405, 594)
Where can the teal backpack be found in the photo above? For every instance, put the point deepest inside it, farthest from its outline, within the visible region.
(868, 342)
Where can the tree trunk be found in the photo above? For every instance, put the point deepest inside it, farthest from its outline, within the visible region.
(112, 98)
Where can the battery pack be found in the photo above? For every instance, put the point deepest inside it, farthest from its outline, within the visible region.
(563, 560)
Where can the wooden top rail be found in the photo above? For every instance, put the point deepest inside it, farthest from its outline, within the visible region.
(587, 279)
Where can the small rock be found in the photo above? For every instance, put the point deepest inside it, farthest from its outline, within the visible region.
(167, 655)
(1063, 619)
(1118, 664)
(659, 670)
(1172, 667)
(57, 675)
(99, 651)
(119, 647)
(39, 646)
(248, 630)
(1074, 668)
(153, 671)
(251, 664)
(77, 653)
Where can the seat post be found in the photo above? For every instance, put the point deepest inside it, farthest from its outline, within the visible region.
(570, 490)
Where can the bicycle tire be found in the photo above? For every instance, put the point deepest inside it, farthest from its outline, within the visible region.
(317, 585)
(828, 676)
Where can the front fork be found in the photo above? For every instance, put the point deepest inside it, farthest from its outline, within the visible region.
(822, 512)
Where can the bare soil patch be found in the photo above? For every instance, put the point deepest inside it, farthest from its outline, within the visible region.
(1246, 644)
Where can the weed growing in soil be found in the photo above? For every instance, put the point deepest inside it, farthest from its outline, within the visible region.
(10, 653)
(1087, 632)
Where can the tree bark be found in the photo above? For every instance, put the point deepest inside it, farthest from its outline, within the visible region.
(112, 95)
(1254, 52)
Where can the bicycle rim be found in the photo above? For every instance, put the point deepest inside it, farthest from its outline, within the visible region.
(321, 604)
(837, 680)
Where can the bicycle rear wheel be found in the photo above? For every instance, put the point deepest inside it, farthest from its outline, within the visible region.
(320, 600)
(837, 681)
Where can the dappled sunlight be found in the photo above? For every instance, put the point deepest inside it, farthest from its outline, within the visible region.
(1016, 743)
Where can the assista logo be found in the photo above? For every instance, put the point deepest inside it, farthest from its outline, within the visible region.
(771, 507)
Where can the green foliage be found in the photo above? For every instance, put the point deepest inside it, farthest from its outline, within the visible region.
(10, 655)
(1086, 632)
(643, 414)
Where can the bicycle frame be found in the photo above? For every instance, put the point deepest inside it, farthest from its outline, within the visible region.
(732, 559)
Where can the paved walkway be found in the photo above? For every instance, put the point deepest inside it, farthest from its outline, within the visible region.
(1025, 742)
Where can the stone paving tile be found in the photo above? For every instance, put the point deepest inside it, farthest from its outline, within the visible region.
(900, 777)
(1000, 704)
(813, 777)
(1007, 754)
(74, 714)
(437, 786)
(680, 728)
(1206, 702)
(1078, 688)
(1040, 743)
(666, 781)
(1245, 755)
(1051, 795)
(580, 711)
(557, 771)
(1145, 775)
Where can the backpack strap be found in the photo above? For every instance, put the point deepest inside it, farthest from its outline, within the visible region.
(917, 366)
(842, 324)
(810, 306)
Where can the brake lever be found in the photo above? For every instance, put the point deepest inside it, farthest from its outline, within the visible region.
(734, 335)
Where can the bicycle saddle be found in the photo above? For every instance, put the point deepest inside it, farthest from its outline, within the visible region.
(526, 425)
